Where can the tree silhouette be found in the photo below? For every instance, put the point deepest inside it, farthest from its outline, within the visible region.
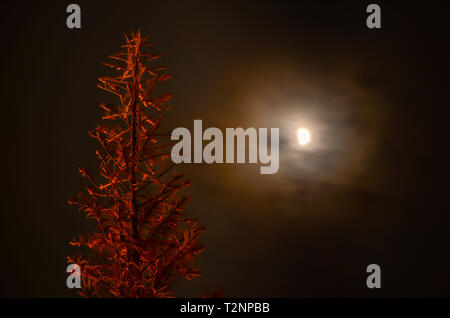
(143, 241)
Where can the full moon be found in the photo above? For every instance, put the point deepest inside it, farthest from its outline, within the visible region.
(303, 136)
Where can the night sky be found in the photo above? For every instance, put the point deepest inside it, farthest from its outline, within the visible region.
(371, 188)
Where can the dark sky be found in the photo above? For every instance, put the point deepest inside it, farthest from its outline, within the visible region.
(371, 188)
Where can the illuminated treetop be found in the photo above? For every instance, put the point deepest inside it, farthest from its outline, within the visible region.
(143, 241)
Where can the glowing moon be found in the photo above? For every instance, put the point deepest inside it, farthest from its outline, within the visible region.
(303, 136)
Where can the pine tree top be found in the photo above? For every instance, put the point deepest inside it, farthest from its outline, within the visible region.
(143, 241)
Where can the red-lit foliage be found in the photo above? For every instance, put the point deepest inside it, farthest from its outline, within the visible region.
(143, 240)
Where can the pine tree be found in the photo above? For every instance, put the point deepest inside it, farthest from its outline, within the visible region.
(143, 241)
